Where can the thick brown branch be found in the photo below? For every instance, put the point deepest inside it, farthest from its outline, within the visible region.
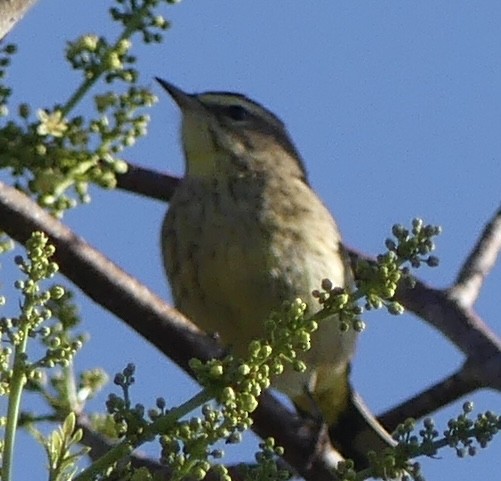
(152, 318)
(440, 308)
(479, 263)
(175, 336)
(104, 282)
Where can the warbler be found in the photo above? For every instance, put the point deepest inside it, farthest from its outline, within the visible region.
(244, 233)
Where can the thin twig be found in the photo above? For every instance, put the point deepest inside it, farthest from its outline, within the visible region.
(100, 445)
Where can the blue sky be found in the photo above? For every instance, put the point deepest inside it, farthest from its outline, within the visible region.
(396, 109)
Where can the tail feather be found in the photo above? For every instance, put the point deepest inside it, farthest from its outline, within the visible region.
(353, 429)
(356, 432)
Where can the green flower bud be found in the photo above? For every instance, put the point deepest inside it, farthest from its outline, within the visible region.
(216, 370)
(249, 402)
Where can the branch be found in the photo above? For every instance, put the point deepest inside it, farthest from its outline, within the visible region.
(479, 263)
(11, 11)
(105, 283)
(461, 325)
(100, 445)
(149, 183)
(449, 311)
(160, 324)
(458, 322)
(179, 339)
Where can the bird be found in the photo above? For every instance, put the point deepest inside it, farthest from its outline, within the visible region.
(244, 232)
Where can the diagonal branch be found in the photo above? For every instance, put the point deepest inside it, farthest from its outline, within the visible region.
(179, 339)
(448, 311)
(104, 282)
(11, 12)
(440, 308)
(479, 263)
(160, 324)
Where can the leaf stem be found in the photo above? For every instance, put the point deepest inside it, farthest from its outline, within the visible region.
(89, 82)
(127, 446)
(17, 383)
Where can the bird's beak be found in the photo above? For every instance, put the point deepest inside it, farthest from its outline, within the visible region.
(184, 100)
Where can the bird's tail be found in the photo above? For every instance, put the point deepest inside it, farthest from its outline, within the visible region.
(353, 429)
(356, 432)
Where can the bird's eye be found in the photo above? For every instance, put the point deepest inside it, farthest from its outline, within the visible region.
(237, 112)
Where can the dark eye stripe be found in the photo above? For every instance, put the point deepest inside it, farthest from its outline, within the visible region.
(231, 108)
(236, 112)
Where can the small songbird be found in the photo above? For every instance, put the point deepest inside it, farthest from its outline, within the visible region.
(244, 232)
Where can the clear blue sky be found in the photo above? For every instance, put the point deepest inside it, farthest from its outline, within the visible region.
(396, 109)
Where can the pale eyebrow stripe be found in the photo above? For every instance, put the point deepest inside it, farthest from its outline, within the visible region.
(230, 98)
